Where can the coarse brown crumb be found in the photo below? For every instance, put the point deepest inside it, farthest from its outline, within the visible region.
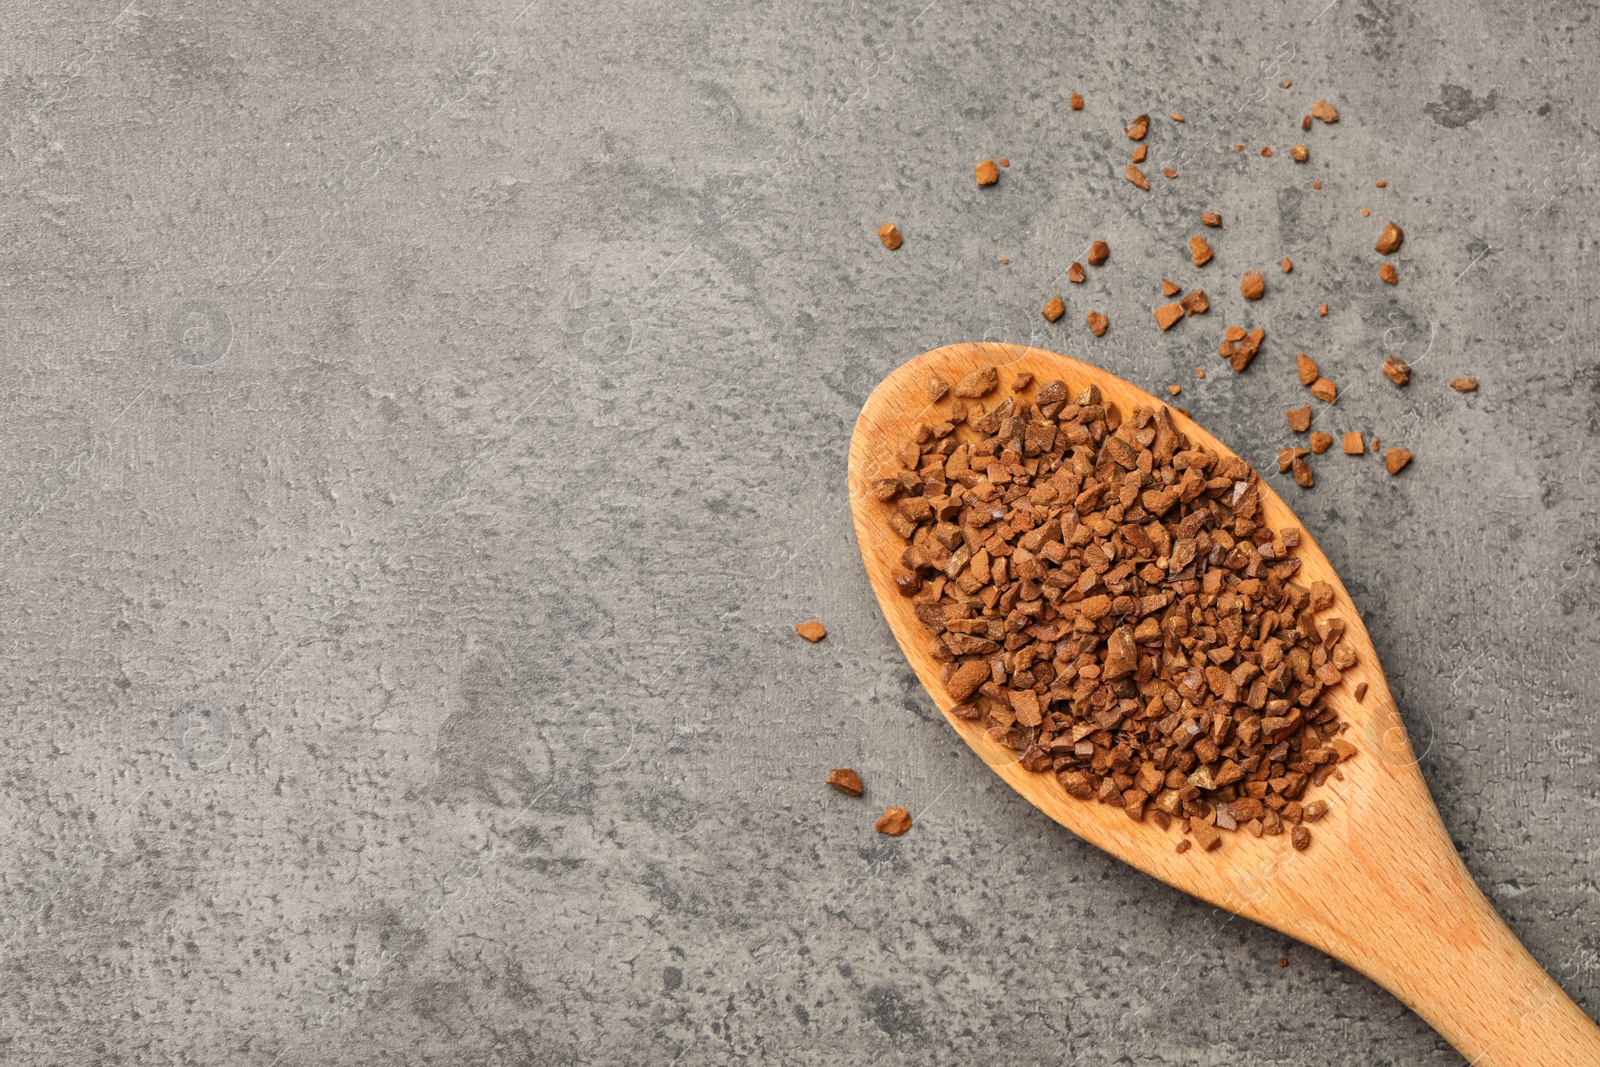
(1076, 102)
(1464, 385)
(1390, 240)
(1353, 445)
(1387, 272)
(1267, 152)
(1299, 419)
(1287, 456)
(1005, 262)
(1169, 172)
(1286, 83)
(1184, 846)
(1397, 370)
(845, 781)
(1238, 148)
(1320, 442)
(1004, 162)
(1323, 311)
(1054, 308)
(1099, 252)
(937, 387)
(811, 631)
(1168, 314)
(1299, 153)
(1305, 123)
(1374, 445)
(1076, 274)
(1381, 184)
(1136, 176)
(1395, 459)
(1316, 185)
(1195, 302)
(1303, 475)
(1170, 288)
(1210, 218)
(978, 383)
(1140, 152)
(1097, 323)
(1199, 251)
(987, 173)
(1205, 835)
(1282, 962)
(1174, 116)
(1022, 380)
(1200, 372)
(1365, 213)
(1252, 286)
(1138, 128)
(1301, 838)
(893, 822)
(1306, 368)
(1174, 389)
(1325, 111)
(889, 234)
(1325, 391)
(1288, 265)
(1239, 347)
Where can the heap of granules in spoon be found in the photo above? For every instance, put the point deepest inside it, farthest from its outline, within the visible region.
(1105, 599)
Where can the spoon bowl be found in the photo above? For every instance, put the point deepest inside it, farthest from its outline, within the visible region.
(1381, 887)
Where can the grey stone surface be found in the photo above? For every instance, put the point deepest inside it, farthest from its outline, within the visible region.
(425, 425)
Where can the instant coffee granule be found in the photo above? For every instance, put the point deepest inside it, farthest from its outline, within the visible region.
(1105, 601)
(811, 631)
(897, 821)
(846, 781)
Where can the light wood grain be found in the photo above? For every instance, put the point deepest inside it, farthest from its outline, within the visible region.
(1381, 886)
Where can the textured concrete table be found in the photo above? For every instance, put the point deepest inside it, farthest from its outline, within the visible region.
(425, 427)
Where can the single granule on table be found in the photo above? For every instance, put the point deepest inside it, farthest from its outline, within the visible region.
(1140, 152)
(980, 382)
(1320, 442)
(1005, 262)
(1299, 419)
(1168, 314)
(1239, 347)
(1199, 251)
(1252, 286)
(1397, 370)
(1238, 148)
(1365, 213)
(893, 822)
(1301, 838)
(845, 781)
(1136, 176)
(1464, 385)
(1174, 390)
(1076, 102)
(1266, 153)
(987, 173)
(1138, 128)
(1381, 184)
(1022, 380)
(1303, 475)
(1387, 272)
(1174, 116)
(1374, 445)
(1054, 308)
(1288, 265)
(1099, 252)
(1325, 111)
(1107, 605)
(1287, 456)
(1286, 83)
(1323, 311)
(1299, 153)
(1004, 162)
(1361, 692)
(1305, 124)
(1390, 240)
(811, 631)
(1306, 367)
(1395, 459)
(1283, 961)
(937, 387)
(1353, 444)
(1316, 185)
(1169, 172)
(1076, 274)
(1200, 372)
(889, 234)
(1097, 323)
(1184, 846)
(1195, 302)
(1170, 288)
(1211, 218)
(1325, 391)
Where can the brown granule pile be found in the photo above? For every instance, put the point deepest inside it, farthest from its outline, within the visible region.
(1106, 602)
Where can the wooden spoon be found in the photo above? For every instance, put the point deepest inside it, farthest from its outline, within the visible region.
(1381, 887)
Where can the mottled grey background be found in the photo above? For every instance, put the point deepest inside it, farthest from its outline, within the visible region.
(425, 423)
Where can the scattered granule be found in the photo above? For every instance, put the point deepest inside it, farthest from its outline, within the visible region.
(937, 387)
(981, 382)
(845, 781)
(1138, 128)
(1140, 152)
(1299, 419)
(1387, 272)
(1288, 265)
(1174, 390)
(1301, 837)
(1022, 380)
(1170, 288)
(1238, 148)
(1169, 172)
(889, 234)
(1239, 347)
(1266, 153)
(1004, 162)
(1365, 213)
(1174, 116)
(1200, 372)
(1199, 251)
(1354, 445)
(1395, 459)
(1397, 370)
(1361, 692)
(1283, 961)
(811, 631)
(1303, 475)
(1210, 218)
(1299, 153)
(1184, 846)
(1325, 111)
(1464, 385)
(1323, 311)
(1381, 184)
(1099, 252)
(1315, 810)
(1252, 286)
(1005, 262)
(1306, 367)
(1168, 314)
(1097, 323)
(893, 822)
(1076, 273)
(1325, 391)
(1321, 442)
(987, 173)
(1076, 102)
(1374, 445)
(1195, 302)
(1287, 456)
(1305, 124)
(1286, 83)
(1390, 240)
(1107, 604)
(1136, 176)
(1054, 308)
